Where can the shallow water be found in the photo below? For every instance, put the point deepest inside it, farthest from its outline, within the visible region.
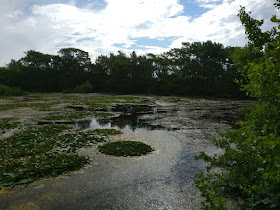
(8, 133)
(160, 180)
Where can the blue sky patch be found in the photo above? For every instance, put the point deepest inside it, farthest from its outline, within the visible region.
(144, 42)
(191, 8)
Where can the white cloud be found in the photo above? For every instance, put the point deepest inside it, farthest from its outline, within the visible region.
(48, 26)
(221, 23)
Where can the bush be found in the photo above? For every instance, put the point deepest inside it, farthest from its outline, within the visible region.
(10, 91)
(84, 88)
(249, 168)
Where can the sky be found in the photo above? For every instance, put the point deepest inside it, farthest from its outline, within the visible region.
(101, 27)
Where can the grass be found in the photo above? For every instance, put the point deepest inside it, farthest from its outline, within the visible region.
(125, 148)
(44, 151)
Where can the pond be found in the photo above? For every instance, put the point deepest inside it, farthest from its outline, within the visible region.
(177, 129)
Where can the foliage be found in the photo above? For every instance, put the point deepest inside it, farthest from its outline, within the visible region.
(125, 148)
(199, 68)
(84, 88)
(250, 165)
(10, 91)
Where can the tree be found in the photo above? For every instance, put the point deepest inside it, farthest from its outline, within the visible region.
(251, 159)
(75, 67)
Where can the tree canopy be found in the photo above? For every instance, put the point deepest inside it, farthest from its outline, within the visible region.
(199, 68)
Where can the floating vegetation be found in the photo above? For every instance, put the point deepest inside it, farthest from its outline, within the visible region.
(44, 106)
(125, 148)
(94, 102)
(8, 123)
(105, 132)
(36, 152)
(44, 151)
(104, 102)
(78, 115)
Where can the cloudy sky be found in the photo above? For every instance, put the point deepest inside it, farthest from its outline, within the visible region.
(105, 26)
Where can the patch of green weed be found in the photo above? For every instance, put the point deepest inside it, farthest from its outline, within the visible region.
(78, 115)
(8, 123)
(125, 148)
(104, 102)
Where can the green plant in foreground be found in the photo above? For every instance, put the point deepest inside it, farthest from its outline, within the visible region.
(250, 165)
(125, 148)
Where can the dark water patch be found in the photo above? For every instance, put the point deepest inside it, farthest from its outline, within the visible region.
(128, 119)
(49, 122)
(78, 108)
(133, 109)
(127, 122)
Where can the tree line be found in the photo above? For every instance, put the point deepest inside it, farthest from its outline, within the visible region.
(198, 68)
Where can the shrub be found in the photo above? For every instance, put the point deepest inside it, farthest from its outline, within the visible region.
(10, 91)
(250, 165)
(84, 88)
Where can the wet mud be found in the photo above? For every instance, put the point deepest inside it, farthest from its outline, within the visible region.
(178, 129)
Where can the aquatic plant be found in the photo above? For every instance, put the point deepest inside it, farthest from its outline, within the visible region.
(125, 148)
(44, 151)
(78, 115)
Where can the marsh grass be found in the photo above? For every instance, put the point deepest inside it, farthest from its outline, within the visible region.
(125, 148)
(44, 151)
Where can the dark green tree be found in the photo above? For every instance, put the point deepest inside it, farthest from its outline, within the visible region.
(75, 67)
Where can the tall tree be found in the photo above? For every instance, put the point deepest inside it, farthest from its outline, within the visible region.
(75, 65)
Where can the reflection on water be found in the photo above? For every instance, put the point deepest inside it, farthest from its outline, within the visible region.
(127, 122)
